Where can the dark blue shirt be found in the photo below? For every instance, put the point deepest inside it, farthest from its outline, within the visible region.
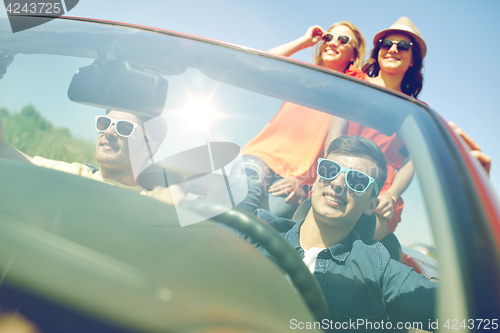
(360, 281)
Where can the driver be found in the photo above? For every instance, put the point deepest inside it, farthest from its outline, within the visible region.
(116, 129)
(358, 279)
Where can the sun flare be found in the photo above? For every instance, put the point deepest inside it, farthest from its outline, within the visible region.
(199, 112)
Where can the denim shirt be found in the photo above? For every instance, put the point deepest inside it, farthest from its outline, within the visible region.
(360, 281)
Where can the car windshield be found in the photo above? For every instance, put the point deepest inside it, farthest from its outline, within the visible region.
(195, 105)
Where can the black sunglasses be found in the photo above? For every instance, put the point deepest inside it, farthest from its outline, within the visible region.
(355, 180)
(124, 128)
(402, 45)
(343, 39)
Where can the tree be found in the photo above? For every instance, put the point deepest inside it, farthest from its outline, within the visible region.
(34, 135)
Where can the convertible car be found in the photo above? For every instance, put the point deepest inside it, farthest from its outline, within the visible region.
(79, 255)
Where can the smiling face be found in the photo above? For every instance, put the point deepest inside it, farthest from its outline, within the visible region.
(335, 204)
(338, 56)
(392, 60)
(111, 150)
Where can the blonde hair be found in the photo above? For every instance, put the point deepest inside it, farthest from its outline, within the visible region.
(359, 46)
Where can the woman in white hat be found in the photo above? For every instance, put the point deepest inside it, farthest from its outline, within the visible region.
(396, 60)
(395, 63)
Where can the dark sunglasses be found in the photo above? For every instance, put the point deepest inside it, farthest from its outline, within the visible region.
(124, 128)
(402, 45)
(355, 180)
(343, 39)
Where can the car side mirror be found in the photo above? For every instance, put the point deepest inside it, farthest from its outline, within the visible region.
(119, 85)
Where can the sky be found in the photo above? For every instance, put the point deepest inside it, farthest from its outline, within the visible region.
(460, 37)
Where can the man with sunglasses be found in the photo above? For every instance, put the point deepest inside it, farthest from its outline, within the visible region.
(116, 131)
(359, 280)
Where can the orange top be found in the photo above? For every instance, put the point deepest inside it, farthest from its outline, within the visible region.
(292, 141)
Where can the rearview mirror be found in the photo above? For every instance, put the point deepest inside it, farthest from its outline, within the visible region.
(119, 85)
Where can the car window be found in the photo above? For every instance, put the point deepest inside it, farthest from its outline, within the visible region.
(40, 120)
(208, 101)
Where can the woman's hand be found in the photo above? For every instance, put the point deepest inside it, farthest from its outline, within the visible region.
(475, 150)
(288, 185)
(385, 207)
(314, 34)
(310, 38)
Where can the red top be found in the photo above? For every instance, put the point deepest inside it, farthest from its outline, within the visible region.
(390, 146)
(292, 141)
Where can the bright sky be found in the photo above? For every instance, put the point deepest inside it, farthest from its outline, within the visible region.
(460, 35)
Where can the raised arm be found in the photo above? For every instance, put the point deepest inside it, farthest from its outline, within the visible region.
(475, 150)
(310, 38)
(409, 296)
(400, 183)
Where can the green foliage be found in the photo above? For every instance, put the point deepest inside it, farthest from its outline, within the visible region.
(34, 135)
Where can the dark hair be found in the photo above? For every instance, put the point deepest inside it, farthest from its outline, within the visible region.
(412, 81)
(355, 145)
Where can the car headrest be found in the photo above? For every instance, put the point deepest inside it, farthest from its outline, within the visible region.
(365, 225)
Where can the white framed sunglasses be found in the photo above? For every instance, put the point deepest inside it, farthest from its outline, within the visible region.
(356, 180)
(124, 128)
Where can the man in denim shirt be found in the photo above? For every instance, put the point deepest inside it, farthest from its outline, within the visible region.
(358, 279)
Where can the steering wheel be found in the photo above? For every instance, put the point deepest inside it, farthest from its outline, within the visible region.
(263, 234)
